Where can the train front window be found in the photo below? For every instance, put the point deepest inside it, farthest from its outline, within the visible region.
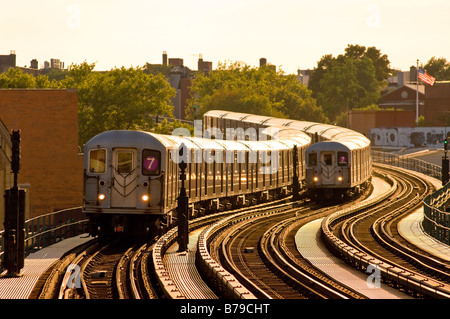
(151, 162)
(328, 159)
(342, 158)
(312, 159)
(124, 162)
(97, 161)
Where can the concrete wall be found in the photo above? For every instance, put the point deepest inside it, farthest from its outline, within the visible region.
(432, 137)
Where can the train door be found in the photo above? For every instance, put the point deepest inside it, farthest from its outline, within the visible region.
(328, 167)
(124, 177)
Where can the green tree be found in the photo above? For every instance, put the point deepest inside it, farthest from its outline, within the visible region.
(348, 85)
(380, 61)
(166, 127)
(439, 68)
(351, 80)
(117, 99)
(157, 68)
(240, 88)
(15, 78)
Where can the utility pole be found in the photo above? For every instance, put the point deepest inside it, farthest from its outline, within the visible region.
(14, 256)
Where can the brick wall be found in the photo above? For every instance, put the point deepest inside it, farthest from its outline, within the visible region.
(364, 121)
(50, 163)
(437, 104)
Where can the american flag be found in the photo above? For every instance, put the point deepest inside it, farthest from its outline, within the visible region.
(424, 76)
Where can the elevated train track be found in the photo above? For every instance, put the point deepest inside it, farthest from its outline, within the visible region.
(277, 254)
(229, 239)
(368, 236)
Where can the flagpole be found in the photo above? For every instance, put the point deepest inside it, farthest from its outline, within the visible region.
(417, 93)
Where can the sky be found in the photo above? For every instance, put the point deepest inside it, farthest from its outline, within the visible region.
(290, 34)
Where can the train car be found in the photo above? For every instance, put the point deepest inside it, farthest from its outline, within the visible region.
(323, 179)
(337, 170)
(131, 178)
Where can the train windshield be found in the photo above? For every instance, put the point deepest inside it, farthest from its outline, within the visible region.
(312, 159)
(151, 162)
(342, 158)
(124, 162)
(97, 161)
(328, 159)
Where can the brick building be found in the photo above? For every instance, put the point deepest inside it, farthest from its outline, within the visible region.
(404, 98)
(50, 159)
(6, 177)
(437, 104)
(363, 121)
(180, 79)
(7, 61)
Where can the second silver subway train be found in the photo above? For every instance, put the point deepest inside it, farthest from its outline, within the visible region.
(338, 161)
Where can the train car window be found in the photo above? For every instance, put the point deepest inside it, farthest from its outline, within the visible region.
(151, 162)
(197, 180)
(342, 158)
(312, 159)
(97, 161)
(214, 176)
(247, 167)
(222, 168)
(288, 163)
(124, 162)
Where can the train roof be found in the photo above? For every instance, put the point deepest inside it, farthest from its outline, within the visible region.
(123, 138)
(328, 145)
(329, 132)
(142, 139)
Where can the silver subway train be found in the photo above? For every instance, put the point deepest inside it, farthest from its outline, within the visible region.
(131, 178)
(338, 161)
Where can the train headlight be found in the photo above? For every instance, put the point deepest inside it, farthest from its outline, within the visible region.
(340, 178)
(101, 196)
(145, 198)
(315, 179)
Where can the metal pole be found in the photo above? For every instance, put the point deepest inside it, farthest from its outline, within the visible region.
(183, 203)
(295, 181)
(13, 259)
(417, 93)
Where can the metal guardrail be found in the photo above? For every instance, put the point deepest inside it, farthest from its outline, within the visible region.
(410, 163)
(48, 229)
(436, 221)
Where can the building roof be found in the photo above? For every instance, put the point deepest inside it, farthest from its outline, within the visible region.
(412, 87)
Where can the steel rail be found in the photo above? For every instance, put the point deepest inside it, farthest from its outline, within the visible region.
(389, 271)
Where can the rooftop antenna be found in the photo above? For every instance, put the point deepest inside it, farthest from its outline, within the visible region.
(193, 60)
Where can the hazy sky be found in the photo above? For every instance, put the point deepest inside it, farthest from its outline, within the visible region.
(291, 34)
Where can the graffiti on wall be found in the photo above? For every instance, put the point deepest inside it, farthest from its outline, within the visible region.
(409, 137)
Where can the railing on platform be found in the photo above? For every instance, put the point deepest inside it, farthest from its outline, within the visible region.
(436, 221)
(410, 163)
(48, 229)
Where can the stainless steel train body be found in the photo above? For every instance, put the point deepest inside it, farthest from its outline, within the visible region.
(337, 169)
(343, 163)
(131, 179)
